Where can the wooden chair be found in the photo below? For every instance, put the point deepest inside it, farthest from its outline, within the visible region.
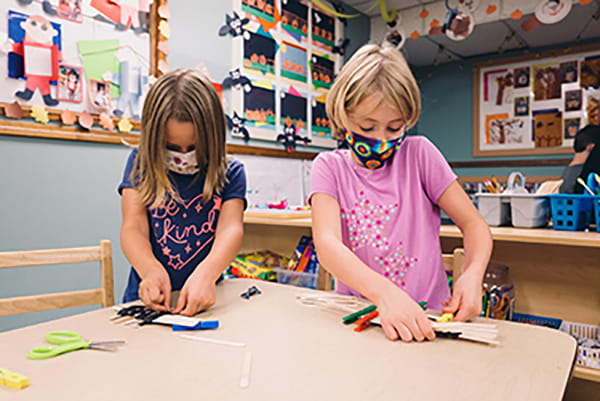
(103, 296)
(454, 262)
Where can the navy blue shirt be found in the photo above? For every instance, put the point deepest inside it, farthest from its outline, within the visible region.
(182, 234)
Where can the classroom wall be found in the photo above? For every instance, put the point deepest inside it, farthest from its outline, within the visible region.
(447, 117)
(56, 193)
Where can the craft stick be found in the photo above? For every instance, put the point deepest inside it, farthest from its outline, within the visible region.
(477, 339)
(246, 364)
(213, 341)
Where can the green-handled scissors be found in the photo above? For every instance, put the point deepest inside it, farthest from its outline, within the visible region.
(67, 341)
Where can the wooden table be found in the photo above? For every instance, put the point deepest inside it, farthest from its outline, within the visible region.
(555, 273)
(298, 353)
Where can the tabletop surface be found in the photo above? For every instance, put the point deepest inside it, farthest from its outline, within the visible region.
(298, 353)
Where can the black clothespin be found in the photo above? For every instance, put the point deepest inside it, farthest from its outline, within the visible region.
(249, 292)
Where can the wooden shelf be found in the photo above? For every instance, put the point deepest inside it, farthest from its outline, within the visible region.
(535, 236)
(584, 373)
(527, 235)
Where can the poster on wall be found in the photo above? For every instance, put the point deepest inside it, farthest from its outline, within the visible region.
(259, 55)
(293, 62)
(291, 67)
(294, 19)
(322, 71)
(537, 104)
(259, 110)
(323, 30)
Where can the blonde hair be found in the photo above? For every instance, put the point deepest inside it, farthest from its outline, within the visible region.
(184, 95)
(373, 69)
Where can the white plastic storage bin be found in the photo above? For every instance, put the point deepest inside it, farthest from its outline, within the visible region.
(529, 210)
(495, 208)
(587, 336)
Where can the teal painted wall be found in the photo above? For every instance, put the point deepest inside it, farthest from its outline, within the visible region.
(56, 193)
(447, 119)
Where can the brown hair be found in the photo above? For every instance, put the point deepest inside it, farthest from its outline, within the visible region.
(185, 95)
(373, 69)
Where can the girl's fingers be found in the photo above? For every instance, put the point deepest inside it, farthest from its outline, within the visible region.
(389, 331)
(404, 332)
(425, 327)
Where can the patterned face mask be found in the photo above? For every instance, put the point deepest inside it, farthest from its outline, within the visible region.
(182, 163)
(372, 153)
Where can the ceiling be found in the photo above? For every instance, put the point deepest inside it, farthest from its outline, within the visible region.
(491, 37)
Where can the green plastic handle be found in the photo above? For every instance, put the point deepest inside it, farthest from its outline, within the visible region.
(66, 341)
(50, 351)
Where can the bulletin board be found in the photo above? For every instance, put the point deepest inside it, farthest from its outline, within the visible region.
(284, 59)
(79, 69)
(534, 104)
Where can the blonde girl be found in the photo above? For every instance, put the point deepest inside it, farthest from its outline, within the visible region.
(182, 200)
(376, 206)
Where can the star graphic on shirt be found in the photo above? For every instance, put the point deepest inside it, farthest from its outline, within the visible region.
(366, 223)
(188, 248)
(395, 266)
(166, 250)
(198, 207)
(175, 262)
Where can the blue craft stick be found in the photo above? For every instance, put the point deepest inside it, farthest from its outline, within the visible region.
(206, 325)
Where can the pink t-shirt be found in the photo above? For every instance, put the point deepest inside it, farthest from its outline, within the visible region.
(389, 216)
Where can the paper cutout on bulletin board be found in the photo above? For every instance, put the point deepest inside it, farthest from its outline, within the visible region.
(294, 19)
(99, 57)
(164, 28)
(590, 72)
(163, 46)
(35, 54)
(501, 130)
(70, 88)
(573, 100)
(13, 110)
(106, 121)
(320, 121)
(237, 80)
(323, 30)
(67, 117)
(547, 128)
(321, 71)
(294, 111)
(572, 125)
(264, 9)
(70, 10)
(123, 14)
(546, 81)
(85, 120)
(235, 26)
(259, 108)
(259, 55)
(125, 125)
(164, 12)
(39, 114)
(293, 62)
(490, 87)
(237, 126)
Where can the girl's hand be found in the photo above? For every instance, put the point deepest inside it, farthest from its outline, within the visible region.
(403, 318)
(155, 290)
(466, 297)
(198, 293)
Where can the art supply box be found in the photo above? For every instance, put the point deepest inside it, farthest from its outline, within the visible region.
(518, 210)
(299, 279)
(574, 212)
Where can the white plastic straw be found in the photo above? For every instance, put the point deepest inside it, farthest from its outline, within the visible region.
(213, 341)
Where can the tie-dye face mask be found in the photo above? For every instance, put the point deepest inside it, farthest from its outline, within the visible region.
(372, 153)
(182, 163)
